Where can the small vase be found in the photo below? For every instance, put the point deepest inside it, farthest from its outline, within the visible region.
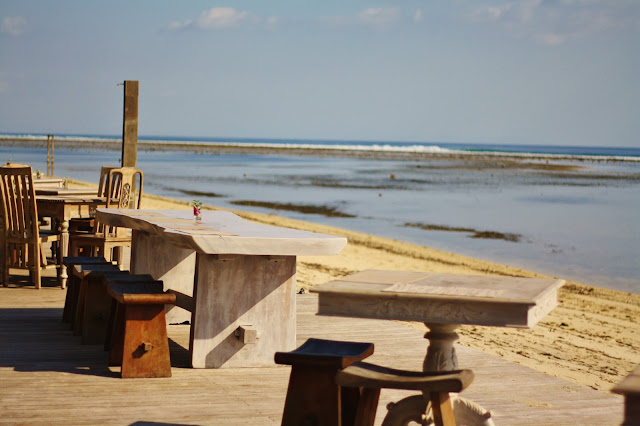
(197, 216)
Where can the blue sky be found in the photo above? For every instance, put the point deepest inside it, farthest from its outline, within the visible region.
(562, 72)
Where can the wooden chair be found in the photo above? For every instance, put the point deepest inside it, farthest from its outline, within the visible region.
(87, 224)
(23, 246)
(124, 187)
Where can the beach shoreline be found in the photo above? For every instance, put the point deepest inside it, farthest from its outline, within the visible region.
(539, 160)
(591, 338)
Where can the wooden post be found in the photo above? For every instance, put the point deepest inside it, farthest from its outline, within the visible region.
(50, 155)
(130, 124)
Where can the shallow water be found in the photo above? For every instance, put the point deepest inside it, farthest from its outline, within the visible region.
(579, 224)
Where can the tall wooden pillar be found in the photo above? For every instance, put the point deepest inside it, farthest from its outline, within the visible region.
(130, 124)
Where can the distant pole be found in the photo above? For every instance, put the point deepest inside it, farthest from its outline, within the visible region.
(130, 124)
(50, 155)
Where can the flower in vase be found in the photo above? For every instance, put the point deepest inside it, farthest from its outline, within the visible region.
(197, 208)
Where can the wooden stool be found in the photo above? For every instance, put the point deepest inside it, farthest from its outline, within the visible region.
(313, 397)
(630, 388)
(89, 289)
(95, 301)
(370, 378)
(138, 341)
(73, 286)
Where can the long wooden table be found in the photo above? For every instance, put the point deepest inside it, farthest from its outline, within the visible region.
(443, 302)
(235, 278)
(62, 208)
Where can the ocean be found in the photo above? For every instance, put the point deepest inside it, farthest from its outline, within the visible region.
(570, 212)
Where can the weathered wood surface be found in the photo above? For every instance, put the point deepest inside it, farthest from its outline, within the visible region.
(65, 191)
(440, 298)
(48, 377)
(221, 232)
(47, 182)
(242, 275)
(174, 266)
(245, 291)
(130, 124)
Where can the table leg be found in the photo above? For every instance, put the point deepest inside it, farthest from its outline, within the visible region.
(441, 356)
(63, 252)
(174, 266)
(240, 292)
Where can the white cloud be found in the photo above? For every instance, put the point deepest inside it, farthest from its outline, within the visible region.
(374, 16)
(550, 39)
(336, 20)
(417, 16)
(554, 23)
(13, 25)
(379, 15)
(220, 18)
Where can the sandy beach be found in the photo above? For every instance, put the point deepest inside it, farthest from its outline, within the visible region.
(591, 338)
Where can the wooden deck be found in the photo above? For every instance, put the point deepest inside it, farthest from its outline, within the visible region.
(48, 377)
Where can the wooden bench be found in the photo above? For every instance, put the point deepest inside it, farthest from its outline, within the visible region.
(630, 388)
(138, 340)
(370, 379)
(73, 286)
(92, 309)
(313, 397)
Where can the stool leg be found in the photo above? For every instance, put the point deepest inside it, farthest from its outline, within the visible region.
(74, 288)
(110, 325)
(68, 300)
(97, 306)
(313, 397)
(442, 409)
(79, 314)
(146, 345)
(117, 335)
(367, 406)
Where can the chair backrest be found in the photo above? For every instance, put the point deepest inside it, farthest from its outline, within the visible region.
(19, 210)
(123, 191)
(124, 186)
(104, 180)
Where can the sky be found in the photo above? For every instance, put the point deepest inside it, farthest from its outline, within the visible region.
(562, 72)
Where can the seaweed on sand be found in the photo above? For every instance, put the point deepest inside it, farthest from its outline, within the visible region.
(199, 193)
(493, 235)
(301, 208)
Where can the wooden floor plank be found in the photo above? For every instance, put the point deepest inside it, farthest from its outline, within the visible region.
(48, 377)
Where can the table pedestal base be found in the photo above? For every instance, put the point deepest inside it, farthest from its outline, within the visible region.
(441, 356)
